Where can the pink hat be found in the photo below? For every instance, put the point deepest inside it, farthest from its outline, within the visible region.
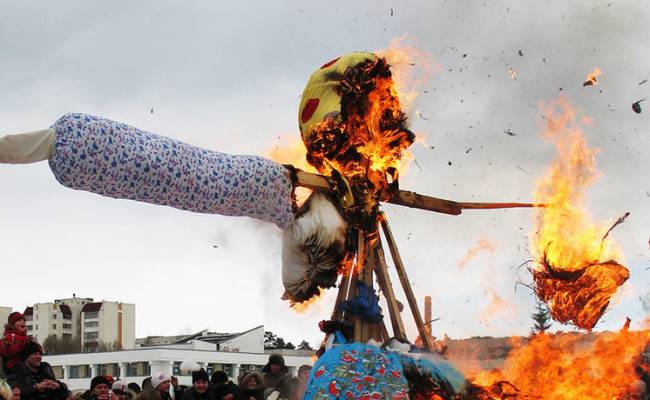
(15, 317)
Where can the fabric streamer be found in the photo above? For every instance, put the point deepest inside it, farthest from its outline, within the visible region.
(120, 161)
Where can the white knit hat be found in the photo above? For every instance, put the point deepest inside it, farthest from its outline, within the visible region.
(120, 385)
(158, 379)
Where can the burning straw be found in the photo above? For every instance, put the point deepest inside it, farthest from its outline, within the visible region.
(576, 273)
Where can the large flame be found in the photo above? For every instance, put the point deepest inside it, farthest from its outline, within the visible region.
(569, 366)
(575, 273)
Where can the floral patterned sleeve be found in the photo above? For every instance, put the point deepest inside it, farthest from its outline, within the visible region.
(120, 161)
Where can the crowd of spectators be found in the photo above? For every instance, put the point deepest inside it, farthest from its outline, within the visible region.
(30, 378)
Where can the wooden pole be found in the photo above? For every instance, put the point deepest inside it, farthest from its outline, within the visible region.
(381, 269)
(406, 285)
(358, 273)
(344, 285)
(411, 199)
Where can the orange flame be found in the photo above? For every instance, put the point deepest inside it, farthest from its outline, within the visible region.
(574, 273)
(484, 244)
(411, 68)
(305, 305)
(591, 78)
(572, 366)
(293, 153)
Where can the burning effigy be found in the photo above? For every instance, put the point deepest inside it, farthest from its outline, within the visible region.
(355, 133)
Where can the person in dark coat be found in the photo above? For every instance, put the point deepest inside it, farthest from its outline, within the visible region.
(200, 389)
(99, 389)
(224, 388)
(275, 371)
(252, 386)
(35, 378)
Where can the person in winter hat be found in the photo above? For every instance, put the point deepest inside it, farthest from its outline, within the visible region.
(200, 389)
(162, 382)
(100, 389)
(122, 391)
(224, 389)
(36, 378)
(274, 371)
(252, 385)
(13, 341)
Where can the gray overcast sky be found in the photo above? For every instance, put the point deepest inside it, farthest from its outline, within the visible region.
(228, 76)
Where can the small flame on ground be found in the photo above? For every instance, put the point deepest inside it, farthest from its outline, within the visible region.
(484, 244)
(591, 78)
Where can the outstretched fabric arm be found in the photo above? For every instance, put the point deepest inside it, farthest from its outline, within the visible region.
(120, 161)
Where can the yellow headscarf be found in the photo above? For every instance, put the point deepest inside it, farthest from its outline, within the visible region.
(319, 99)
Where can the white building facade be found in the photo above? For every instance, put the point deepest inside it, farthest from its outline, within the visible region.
(76, 370)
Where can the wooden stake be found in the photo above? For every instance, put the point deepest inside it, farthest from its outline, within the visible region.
(386, 287)
(344, 285)
(406, 285)
(359, 272)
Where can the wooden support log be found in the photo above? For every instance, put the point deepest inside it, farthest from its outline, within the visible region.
(381, 270)
(406, 285)
(359, 270)
(344, 285)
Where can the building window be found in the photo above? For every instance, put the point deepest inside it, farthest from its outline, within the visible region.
(67, 326)
(91, 324)
(141, 368)
(91, 314)
(67, 336)
(29, 328)
(79, 371)
(53, 316)
(91, 335)
(177, 370)
(67, 316)
(53, 326)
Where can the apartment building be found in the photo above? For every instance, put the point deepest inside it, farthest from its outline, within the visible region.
(4, 314)
(81, 318)
(108, 322)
